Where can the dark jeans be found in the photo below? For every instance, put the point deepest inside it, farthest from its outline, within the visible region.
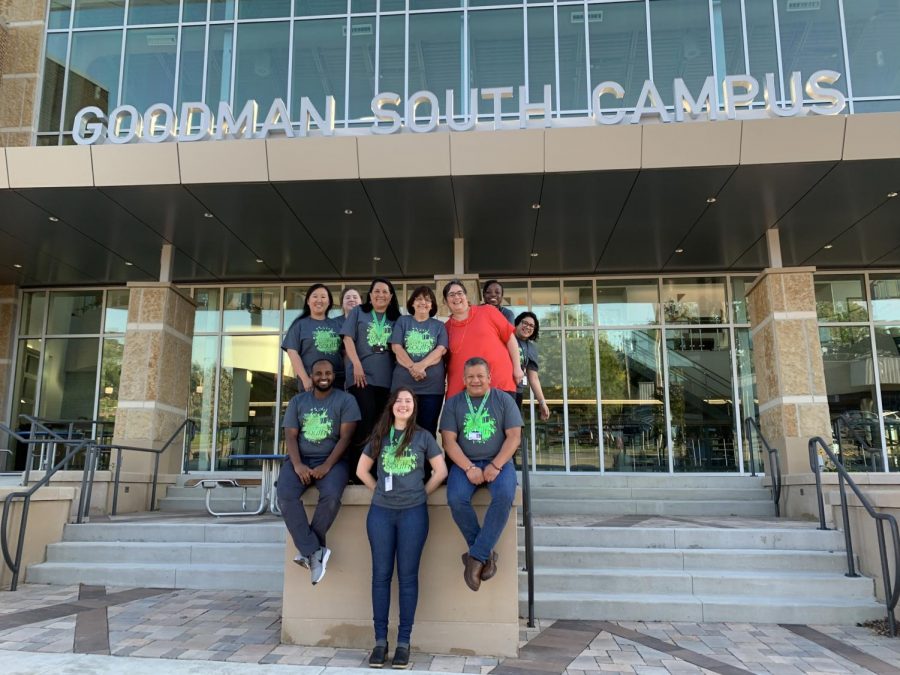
(371, 401)
(400, 534)
(309, 537)
(429, 411)
(481, 538)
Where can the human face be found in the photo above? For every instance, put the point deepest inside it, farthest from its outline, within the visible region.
(493, 295)
(457, 300)
(380, 296)
(525, 329)
(478, 380)
(403, 408)
(422, 305)
(351, 300)
(318, 302)
(323, 376)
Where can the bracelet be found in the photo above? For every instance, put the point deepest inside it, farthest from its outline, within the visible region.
(495, 466)
(471, 466)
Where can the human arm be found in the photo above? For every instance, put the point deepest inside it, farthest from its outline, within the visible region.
(405, 360)
(458, 457)
(535, 383)
(359, 375)
(438, 473)
(299, 370)
(512, 345)
(347, 429)
(507, 450)
(364, 471)
(293, 451)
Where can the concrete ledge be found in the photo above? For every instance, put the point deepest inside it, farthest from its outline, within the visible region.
(450, 619)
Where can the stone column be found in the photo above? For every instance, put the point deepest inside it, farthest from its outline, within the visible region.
(8, 306)
(21, 41)
(787, 357)
(156, 372)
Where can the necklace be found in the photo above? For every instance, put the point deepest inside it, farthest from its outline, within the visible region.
(462, 339)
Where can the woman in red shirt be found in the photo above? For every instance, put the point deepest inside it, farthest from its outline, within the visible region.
(475, 330)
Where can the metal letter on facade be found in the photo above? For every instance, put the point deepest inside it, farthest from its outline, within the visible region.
(685, 103)
(242, 127)
(94, 129)
(204, 126)
(468, 120)
(496, 94)
(277, 119)
(650, 94)
(528, 108)
(151, 123)
(613, 89)
(382, 115)
(412, 105)
(834, 97)
(309, 114)
(732, 99)
(770, 94)
(114, 128)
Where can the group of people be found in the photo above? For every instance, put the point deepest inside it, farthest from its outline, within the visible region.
(375, 385)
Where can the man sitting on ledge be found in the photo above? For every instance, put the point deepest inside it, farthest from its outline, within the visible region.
(481, 431)
(318, 427)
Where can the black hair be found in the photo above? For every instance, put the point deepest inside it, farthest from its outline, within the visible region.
(306, 311)
(318, 361)
(537, 324)
(428, 293)
(386, 422)
(487, 284)
(393, 309)
(452, 282)
(477, 361)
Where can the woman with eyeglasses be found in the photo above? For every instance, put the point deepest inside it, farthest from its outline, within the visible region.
(397, 524)
(479, 330)
(527, 329)
(313, 336)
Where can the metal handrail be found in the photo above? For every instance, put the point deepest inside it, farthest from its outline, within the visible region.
(891, 589)
(858, 438)
(96, 449)
(15, 563)
(774, 465)
(529, 528)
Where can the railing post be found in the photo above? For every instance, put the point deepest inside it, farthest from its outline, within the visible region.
(26, 503)
(155, 476)
(115, 500)
(529, 533)
(848, 540)
(88, 456)
(815, 464)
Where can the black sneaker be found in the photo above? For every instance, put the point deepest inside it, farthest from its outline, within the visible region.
(378, 657)
(401, 658)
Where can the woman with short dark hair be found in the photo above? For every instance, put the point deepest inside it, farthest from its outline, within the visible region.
(492, 294)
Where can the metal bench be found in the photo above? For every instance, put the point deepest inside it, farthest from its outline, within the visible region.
(267, 482)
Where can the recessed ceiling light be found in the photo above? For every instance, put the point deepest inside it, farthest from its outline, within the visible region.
(828, 246)
(891, 195)
(17, 266)
(207, 214)
(259, 260)
(535, 255)
(53, 219)
(679, 250)
(711, 200)
(376, 258)
(348, 212)
(535, 206)
(128, 264)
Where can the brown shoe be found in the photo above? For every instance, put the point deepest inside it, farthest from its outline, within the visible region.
(472, 572)
(490, 567)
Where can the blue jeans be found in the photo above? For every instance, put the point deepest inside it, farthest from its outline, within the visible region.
(309, 537)
(429, 411)
(400, 534)
(481, 538)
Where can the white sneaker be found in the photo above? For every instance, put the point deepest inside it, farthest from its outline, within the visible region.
(302, 560)
(317, 564)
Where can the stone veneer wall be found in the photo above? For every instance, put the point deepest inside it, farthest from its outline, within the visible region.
(21, 44)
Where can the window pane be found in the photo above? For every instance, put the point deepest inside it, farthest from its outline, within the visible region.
(739, 288)
(60, 11)
(573, 93)
(252, 309)
(545, 303)
(24, 395)
(886, 298)
(33, 313)
(221, 10)
(850, 384)
(362, 66)
(761, 45)
(840, 298)
(73, 312)
(811, 40)
(153, 11)
(892, 105)
(218, 65)
(694, 300)
(391, 43)
(618, 36)
(93, 72)
(541, 53)
(318, 7)
(729, 37)
(207, 315)
(52, 86)
(204, 356)
(433, 4)
(149, 67)
(320, 55)
(293, 303)
(110, 374)
(633, 404)
(194, 10)
(578, 297)
(496, 55)
(627, 303)
(262, 9)
(887, 344)
(584, 431)
(68, 379)
(116, 311)
(247, 413)
(190, 73)
(749, 406)
(89, 13)
(681, 44)
(359, 6)
(700, 399)
(436, 41)
(515, 296)
(550, 448)
(262, 64)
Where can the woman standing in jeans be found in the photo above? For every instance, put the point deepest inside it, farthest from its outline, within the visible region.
(397, 523)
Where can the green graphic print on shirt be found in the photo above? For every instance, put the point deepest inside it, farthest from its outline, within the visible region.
(484, 425)
(317, 425)
(378, 336)
(394, 464)
(419, 342)
(326, 340)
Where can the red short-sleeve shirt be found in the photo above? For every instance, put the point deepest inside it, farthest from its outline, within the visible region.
(484, 333)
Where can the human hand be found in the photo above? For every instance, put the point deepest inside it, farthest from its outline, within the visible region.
(304, 473)
(359, 375)
(518, 374)
(490, 473)
(545, 411)
(475, 475)
(320, 471)
(306, 383)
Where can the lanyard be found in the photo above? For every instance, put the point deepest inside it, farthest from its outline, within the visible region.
(522, 351)
(379, 326)
(480, 412)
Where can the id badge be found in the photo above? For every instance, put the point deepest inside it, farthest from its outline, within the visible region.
(378, 349)
(473, 436)
(524, 382)
(389, 482)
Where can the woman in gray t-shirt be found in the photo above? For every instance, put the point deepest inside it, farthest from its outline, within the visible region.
(527, 329)
(397, 523)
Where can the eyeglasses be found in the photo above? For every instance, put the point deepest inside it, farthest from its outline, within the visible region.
(456, 294)
(527, 324)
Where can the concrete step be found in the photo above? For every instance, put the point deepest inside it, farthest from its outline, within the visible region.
(688, 538)
(272, 532)
(178, 553)
(166, 575)
(592, 558)
(680, 607)
(177, 492)
(601, 507)
(669, 493)
(745, 584)
(645, 480)
(227, 501)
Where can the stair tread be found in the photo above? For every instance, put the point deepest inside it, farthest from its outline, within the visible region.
(650, 598)
(156, 566)
(714, 573)
(730, 551)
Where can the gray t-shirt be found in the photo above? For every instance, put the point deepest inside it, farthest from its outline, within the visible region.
(419, 339)
(319, 420)
(528, 359)
(505, 311)
(371, 339)
(481, 435)
(316, 339)
(406, 471)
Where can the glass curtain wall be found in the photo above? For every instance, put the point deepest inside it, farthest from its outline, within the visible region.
(166, 51)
